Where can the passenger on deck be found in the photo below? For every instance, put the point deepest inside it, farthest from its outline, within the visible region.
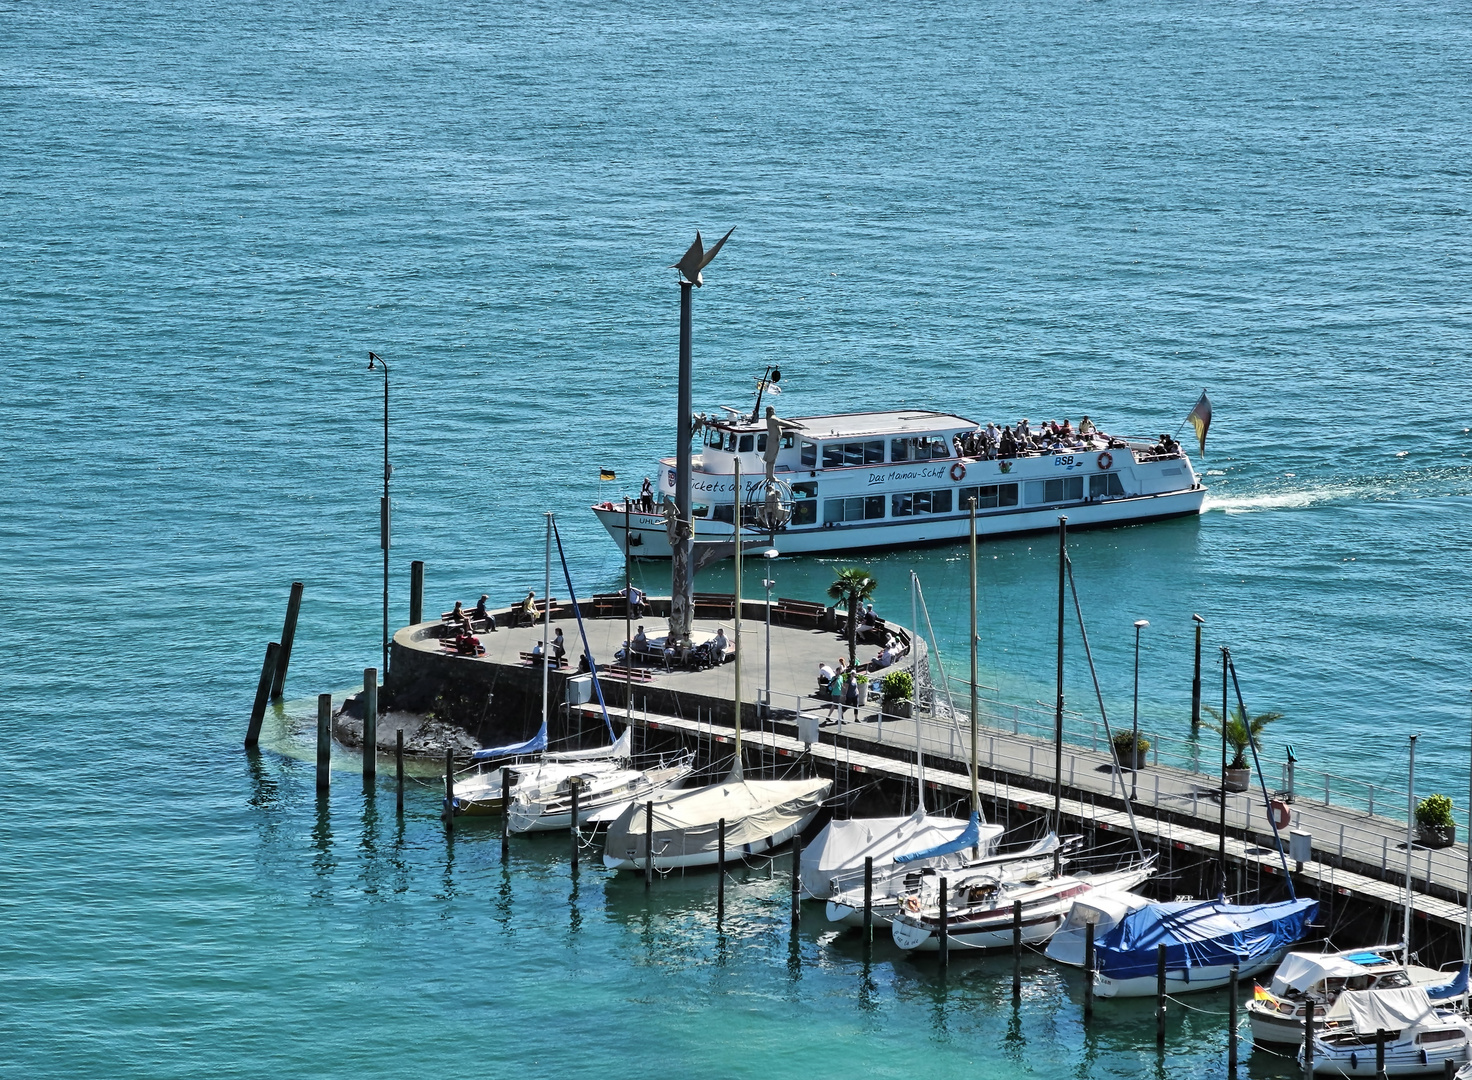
(1086, 426)
(719, 645)
(646, 497)
(1007, 444)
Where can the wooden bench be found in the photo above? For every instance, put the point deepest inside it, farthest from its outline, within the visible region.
(801, 612)
(528, 658)
(514, 617)
(617, 674)
(608, 605)
(713, 605)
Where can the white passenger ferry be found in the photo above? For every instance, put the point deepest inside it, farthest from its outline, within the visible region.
(896, 479)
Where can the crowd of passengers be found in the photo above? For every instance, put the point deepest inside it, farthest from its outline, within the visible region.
(1051, 437)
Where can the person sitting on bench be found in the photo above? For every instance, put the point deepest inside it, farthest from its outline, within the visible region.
(467, 644)
(638, 607)
(641, 643)
(457, 617)
(883, 660)
(529, 608)
(482, 613)
(538, 653)
(719, 645)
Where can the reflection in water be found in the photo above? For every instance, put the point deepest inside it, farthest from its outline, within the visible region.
(397, 861)
(794, 954)
(265, 795)
(447, 891)
(503, 897)
(322, 861)
(371, 868)
(1015, 1043)
(574, 913)
(868, 988)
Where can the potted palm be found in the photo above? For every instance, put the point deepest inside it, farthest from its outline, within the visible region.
(895, 691)
(1130, 750)
(1241, 733)
(1434, 825)
(852, 587)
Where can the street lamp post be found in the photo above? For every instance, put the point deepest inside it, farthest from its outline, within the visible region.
(769, 554)
(383, 506)
(1140, 624)
(1196, 679)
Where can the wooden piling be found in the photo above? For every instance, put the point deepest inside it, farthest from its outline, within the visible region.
(263, 695)
(796, 882)
(576, 836)
(1232, 1023)
(370, 725)
(1016, 949)
(1089, 972)
(945, 928)
(648, 843)
(1448, 1069)
(399, 766)
(449, 814)
(505, 815)
(324, 742)
(1380, 1054)
(288, 634)
(868, 900)
(1308, 1039)
(721, 874)
(416, 592)
(1160, 995)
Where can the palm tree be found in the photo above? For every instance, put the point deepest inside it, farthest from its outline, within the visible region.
(853, 586)
(1239, 734)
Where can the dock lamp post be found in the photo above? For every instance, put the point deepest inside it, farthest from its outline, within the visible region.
(1140, 624)
(769, 554)
(1196, 679)
(383, 506)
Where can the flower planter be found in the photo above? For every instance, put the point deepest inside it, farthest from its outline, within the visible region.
(1431, 837)
(1238, 779)
(1134, 762)
(902, 710)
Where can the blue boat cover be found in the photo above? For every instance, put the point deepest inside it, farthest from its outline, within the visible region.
(1200, 933)
(534, 745)
(1456, 988)
(970, 836)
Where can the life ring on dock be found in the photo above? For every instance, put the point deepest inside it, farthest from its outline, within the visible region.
(1279, 813)
(1104, 460)
(912, 905)
(958, 472)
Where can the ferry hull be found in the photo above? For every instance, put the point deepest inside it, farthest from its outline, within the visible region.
(647, 538)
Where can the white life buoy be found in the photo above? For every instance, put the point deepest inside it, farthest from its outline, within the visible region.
(1279, 813)
(1104, 460)
(958, 472)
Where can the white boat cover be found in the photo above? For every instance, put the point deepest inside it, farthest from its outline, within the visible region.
(686, 822)
(1300, 971)
(843, 845)
(619, 751)
(1370, 1011)
(1102, 907)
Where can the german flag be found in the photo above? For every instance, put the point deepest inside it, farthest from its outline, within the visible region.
(606, 474)
(1260, 994)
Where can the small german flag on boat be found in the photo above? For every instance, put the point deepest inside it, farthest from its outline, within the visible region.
(1261, 994)
(606, 474)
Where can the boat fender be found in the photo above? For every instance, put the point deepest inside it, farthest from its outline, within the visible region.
(912, 905)
(1279, 813)
(1423, 1056)
(958, 472)
(1354, 1062)
(1104, 460)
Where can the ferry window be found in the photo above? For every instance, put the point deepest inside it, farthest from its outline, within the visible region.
(805, 513)
(746, 444)
(1033, 489)
(789, 440)
(726, 512)
(761, 444)
(1006, 494)
(700, 510)
(856, 508)
(1102, 484)
(853, 453)
(808, 490)
(939, 448)
(899, 449)
(920, 502)
(809, 453)
(731, 442)
(832, 455)
(874, 452)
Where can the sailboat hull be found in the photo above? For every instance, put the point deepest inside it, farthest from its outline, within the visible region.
(710, 858)
(1186, 980)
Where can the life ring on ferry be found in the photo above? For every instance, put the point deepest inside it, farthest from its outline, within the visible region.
(912, 905)
(1104, 460)
(1279, 814)
(958, 472)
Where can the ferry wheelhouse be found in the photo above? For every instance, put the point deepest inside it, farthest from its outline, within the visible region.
(895, 479)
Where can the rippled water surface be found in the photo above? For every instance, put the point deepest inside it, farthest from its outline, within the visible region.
(211, 214)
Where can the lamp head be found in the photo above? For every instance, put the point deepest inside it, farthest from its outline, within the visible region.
(1198, 620)
(1140, 624)
(374, 358)
(770, 553)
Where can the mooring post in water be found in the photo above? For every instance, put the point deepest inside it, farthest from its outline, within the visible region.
(449, 814)
(1016, 949)
(288, 634)
(263, 695)
(370, 725)
(1380, 1054)
(1160, 995)
(796, 881)
(1308, 1039)
(945, 929)
(399, 766)
(416, 592)
(1232, 1023)
(1089, 972)
(576, 836)
(721, 874)
(1448, 1069)
(868, 901)
(1196, 679)
(506, 782)
(324, 742)
(648, 843)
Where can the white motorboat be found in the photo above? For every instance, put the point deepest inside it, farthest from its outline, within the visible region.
(1419, 1038)
(905, 477)
(759, 815)
(980, 913)
(1277, 1012)
(547, 804)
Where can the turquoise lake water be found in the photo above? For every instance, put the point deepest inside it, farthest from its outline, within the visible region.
(212, 214)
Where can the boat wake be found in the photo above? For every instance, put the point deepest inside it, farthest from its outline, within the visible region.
(1284, 500)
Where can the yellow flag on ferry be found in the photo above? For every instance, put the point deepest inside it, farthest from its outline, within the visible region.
(606, 474)
(1201, 420)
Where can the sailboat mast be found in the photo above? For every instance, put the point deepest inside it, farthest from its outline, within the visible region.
(915, 670)
(975, 707)
(1058, 714)
(1221, 850)
(1467, 927)
(546, 621)
(736, 633)
(1410, 824)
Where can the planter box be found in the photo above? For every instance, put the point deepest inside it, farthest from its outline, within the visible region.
(1134, 762)
(899, 709)
(1238, 779)
(1436, 838)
